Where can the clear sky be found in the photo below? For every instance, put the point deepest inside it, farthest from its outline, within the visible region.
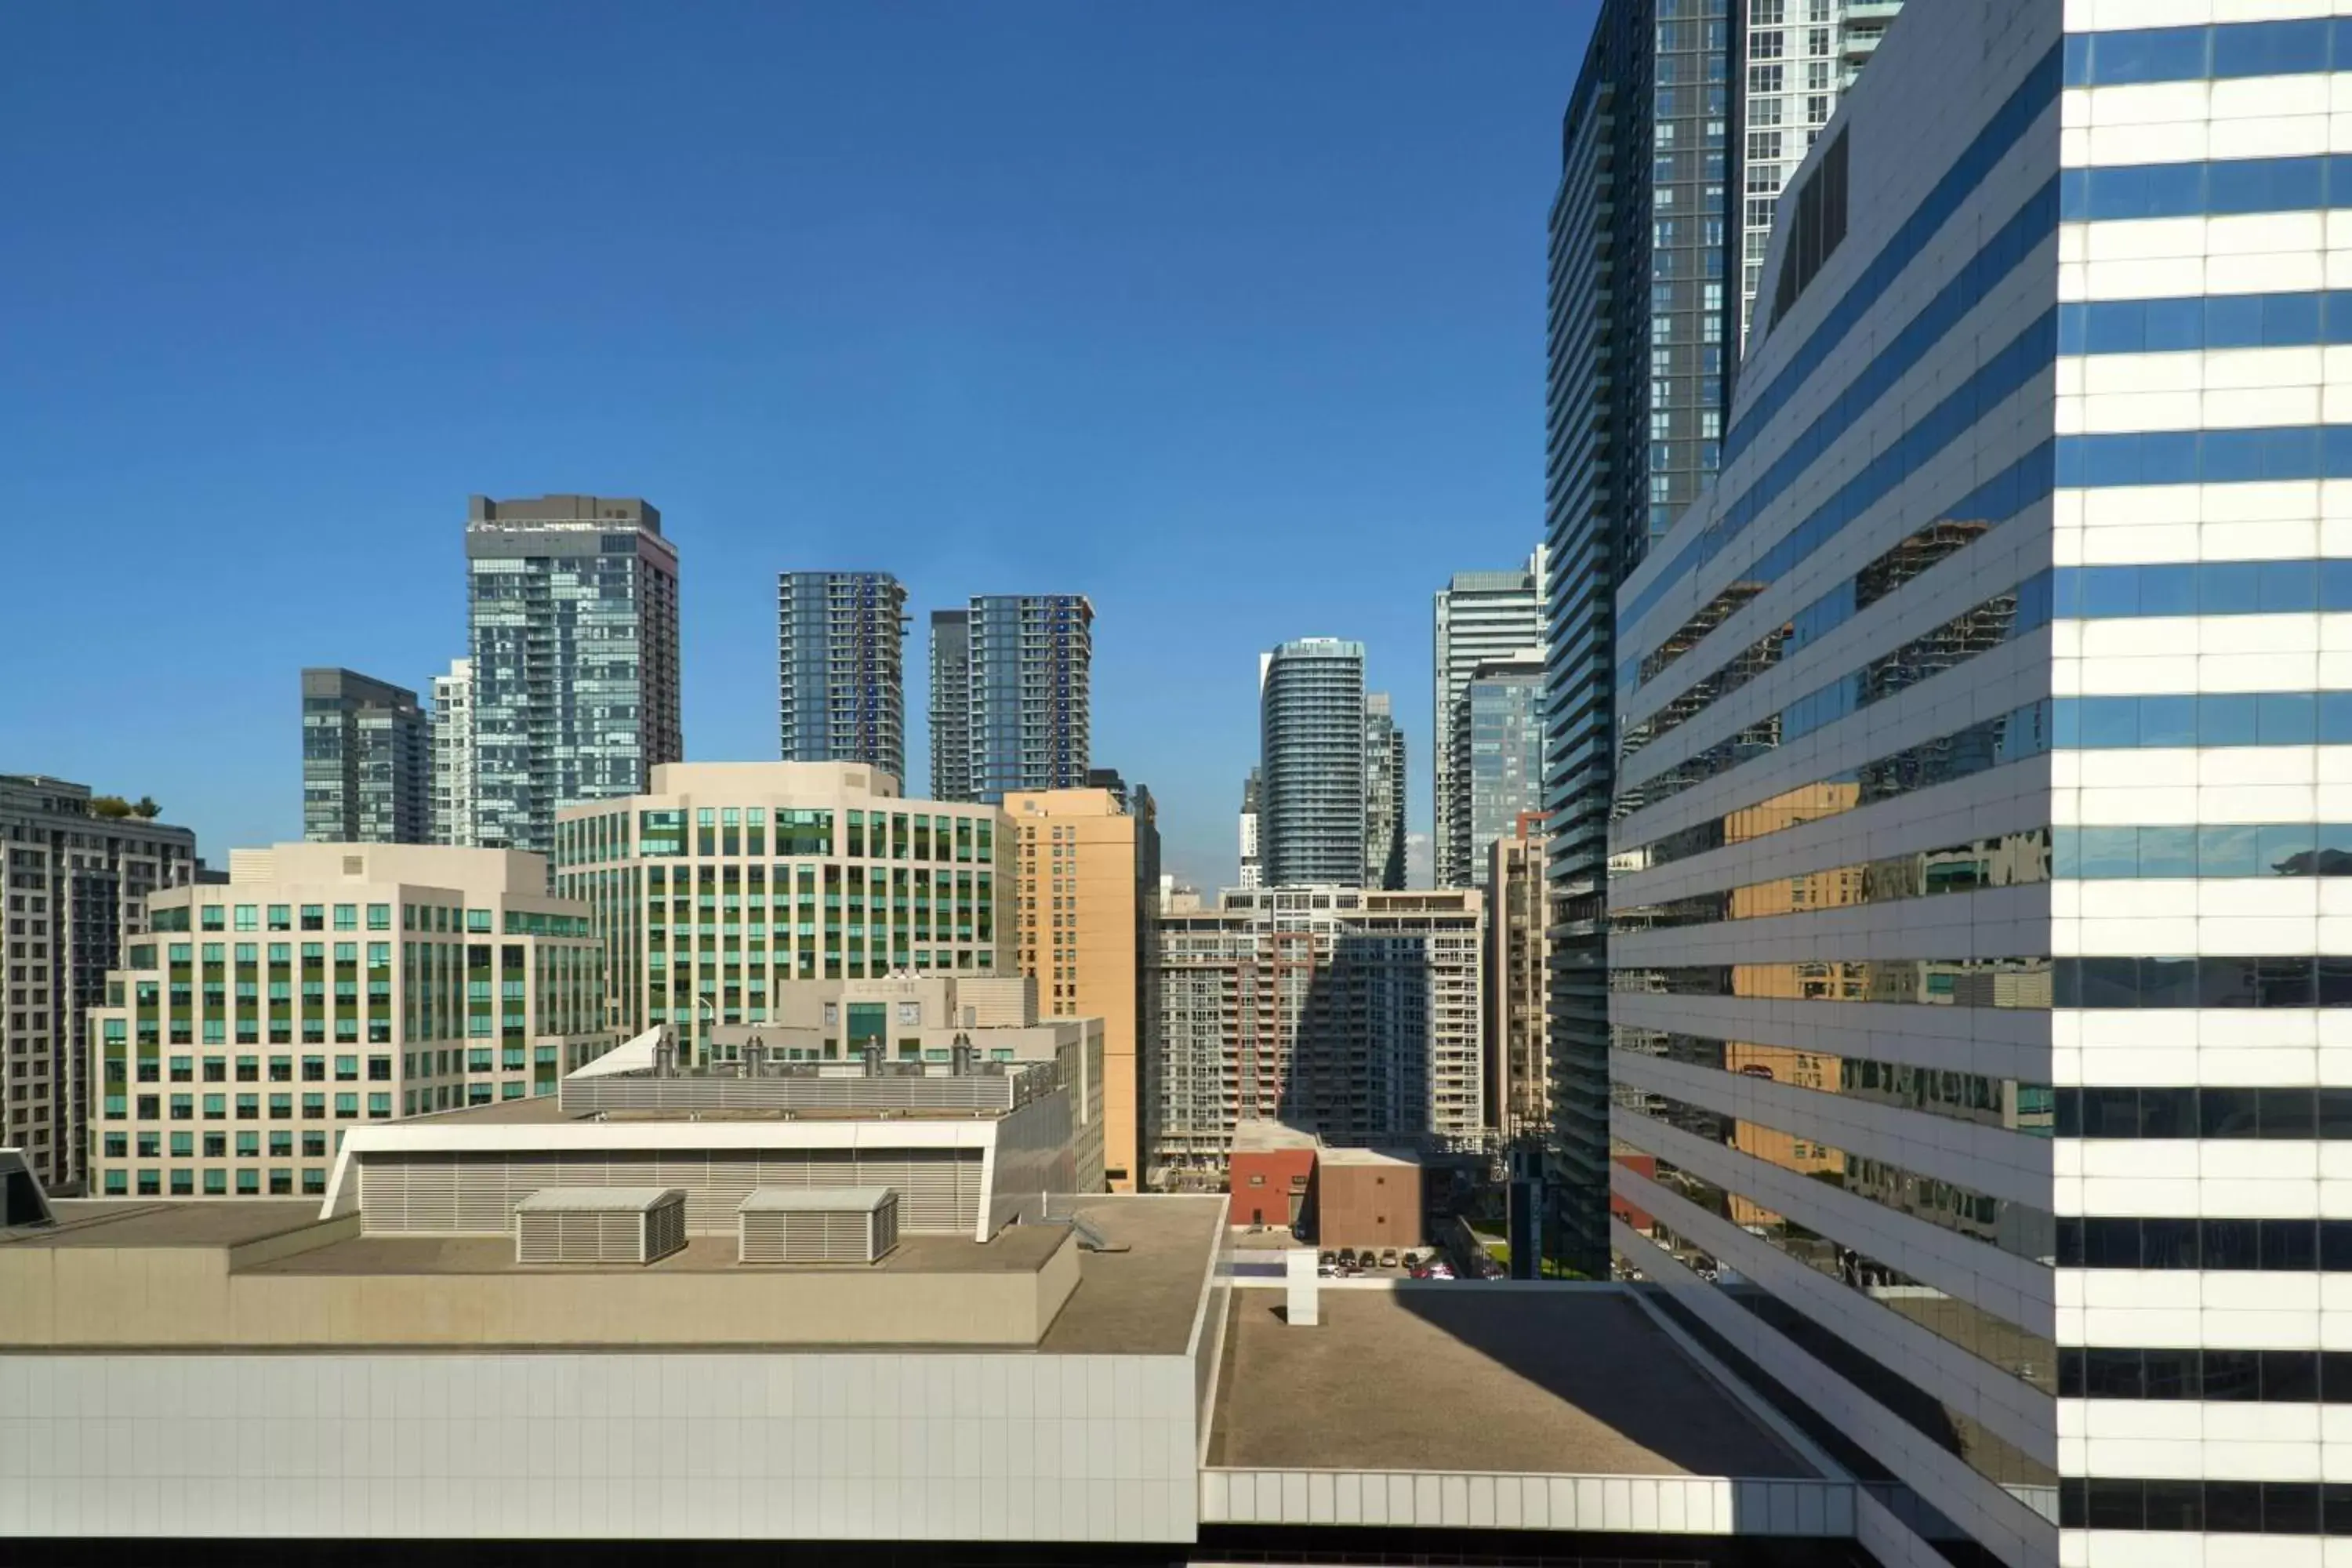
(1227, 315)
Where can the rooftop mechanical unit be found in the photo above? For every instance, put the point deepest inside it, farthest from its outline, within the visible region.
(600, 1224)
(817, 1224)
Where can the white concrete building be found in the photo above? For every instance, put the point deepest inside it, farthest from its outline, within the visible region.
(452, 729)
(1978, 935)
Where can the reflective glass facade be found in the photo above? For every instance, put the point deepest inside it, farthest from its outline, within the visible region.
(572, 614)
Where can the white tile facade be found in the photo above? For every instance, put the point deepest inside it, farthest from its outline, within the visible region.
(1884, 1184)
(615, 1445)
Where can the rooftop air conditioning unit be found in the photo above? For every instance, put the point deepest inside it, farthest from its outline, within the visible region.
(816, 1224)
(600, 1224)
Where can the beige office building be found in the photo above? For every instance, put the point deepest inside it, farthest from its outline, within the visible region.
(326, 986)
(727, 880)
(1084, 924)
(1518, 984)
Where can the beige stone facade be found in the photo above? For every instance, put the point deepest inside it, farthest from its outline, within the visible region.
(325, 986)
(1083, 921)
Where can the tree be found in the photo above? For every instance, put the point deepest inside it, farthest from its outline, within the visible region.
(111, 806)
(146, 810)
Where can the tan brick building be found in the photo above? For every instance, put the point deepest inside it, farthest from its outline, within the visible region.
(1084, 925)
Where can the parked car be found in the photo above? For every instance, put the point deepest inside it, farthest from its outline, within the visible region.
(1348, 1255)
(1327, 1258)
(1388, 1257)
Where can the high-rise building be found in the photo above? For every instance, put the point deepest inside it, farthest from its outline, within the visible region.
(727, 879)
(1349, 1011)
(1383, 794)
(1480, 616)
(1253, 868)
(77, 869)
(951, 708)
(1031, 702)
(840, 660)
(1517, 978)
(573, 607)
(457, 981)
(452, 730)
(1799, 56)
(367, 766)
(1311, 818)
(1086, 877)
(1636, 332)
(1500, 742)
(1974, 981)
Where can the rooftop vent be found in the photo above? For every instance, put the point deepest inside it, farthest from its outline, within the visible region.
(600, 1224)
(816, 1224)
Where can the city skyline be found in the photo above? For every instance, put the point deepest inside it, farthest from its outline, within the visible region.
(773, 435)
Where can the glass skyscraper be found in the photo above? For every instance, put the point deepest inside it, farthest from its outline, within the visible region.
(1501, 744)
(840, 661)
(1383, 794)
(1029, 663)
(572, 605)
(1311, 752)
(367, 767)
(951, 707)
(1480, 615)
(1637, 321)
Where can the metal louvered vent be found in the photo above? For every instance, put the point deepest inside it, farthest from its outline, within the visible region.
(599, 1224)
(819, 1225)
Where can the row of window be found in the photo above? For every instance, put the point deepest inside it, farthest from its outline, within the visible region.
(2030, 1357)
(1974, 1097)
(2022, 1230)
(1954, 529)
(2294, 1113)
(1997, 378)
(1884, 371)
(2269, 1377)
(1954, 1430)
(2211, 1508)
(2023, 732)
(117, 1183)
(2206, 321)
(2292, 980)
(1999, 620)
(2202, 588)
(2017, 859)
(2220, 52)
(276, 917)
(2271, 1246)
(2010, 860)
(2292, 452)
(2208, 850)
(2215, 718)
(2235, 186)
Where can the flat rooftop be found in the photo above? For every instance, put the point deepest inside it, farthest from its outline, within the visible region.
(1140, 1301)
(317, 1282)
(157, 1222)
(1464, 1376)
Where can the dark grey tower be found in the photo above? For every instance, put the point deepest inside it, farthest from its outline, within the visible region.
(367, 761)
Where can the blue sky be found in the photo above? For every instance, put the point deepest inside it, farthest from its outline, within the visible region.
(1229, 315)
